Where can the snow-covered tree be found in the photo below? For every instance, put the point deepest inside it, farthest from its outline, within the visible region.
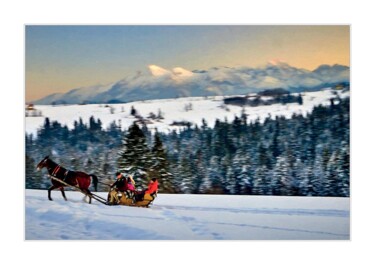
(261, 181)
(134, 157)
(159, 166)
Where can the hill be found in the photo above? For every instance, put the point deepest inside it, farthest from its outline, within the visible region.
(173, 111)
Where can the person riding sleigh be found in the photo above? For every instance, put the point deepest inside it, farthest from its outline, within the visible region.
(123, 186)
(151, 190)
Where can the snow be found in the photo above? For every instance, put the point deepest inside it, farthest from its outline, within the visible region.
(210, 109)
(187, 217)
(181, 72)
(158, 71)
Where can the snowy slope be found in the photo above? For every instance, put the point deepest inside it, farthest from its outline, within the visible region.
(210, 109)
(188, 217)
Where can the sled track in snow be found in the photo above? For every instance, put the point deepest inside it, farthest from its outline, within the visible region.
(285, 229)
(271, 211)
(199, 225)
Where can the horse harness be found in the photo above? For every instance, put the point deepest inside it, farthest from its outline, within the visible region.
(56, 170)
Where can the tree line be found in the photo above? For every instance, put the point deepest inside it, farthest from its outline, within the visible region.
(301, 156)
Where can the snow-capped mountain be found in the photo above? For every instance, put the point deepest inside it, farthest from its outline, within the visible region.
(160, 83)
(76, 96)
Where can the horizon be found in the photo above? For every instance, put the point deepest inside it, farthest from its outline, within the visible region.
(61, 58)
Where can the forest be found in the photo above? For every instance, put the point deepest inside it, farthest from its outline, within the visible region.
(306, 155)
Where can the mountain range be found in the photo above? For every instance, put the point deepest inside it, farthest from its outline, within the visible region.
(160, 83)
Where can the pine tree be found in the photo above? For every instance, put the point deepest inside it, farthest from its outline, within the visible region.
(319, 180)
(185, 174)
(264, 156)
(345, 166)
(159, 166)
(114, 135)
(241, 164)
(275, 146)
(262, 181)
(304, 176)
(337, 178)
(284, 173)
(230, 180)
(33, 178)
(200, 170)
(134, 157)
(90, 167)
(214, 176)
(244, 181)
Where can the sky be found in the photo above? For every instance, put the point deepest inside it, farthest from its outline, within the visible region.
(59, 58)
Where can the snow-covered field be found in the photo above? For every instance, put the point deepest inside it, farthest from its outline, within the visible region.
(173, 110)
(187, 217)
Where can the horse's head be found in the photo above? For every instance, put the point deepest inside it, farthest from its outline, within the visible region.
(42, 163)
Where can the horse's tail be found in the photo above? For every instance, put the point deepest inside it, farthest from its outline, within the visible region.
(95, 181)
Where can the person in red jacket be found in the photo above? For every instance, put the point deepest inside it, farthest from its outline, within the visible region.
(152, 186)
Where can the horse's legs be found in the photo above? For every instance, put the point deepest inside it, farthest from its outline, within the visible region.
(49, 192)
(63, 193)
(87, 194)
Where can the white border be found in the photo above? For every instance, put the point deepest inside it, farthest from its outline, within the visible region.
(15, 14)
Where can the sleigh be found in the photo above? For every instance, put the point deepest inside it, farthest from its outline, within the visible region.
(61, 177)
(130, 198)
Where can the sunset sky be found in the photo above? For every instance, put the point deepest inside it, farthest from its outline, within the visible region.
(60, 58)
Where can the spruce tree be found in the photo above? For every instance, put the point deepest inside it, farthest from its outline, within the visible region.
(338, 179)
(199, 169)
(215, 178)
(134, 157)
(319, 177)
(230, 181)
(244, 181)
(159, 166)
(283, 174)
(261, 181)
(184, 174)
(33, 178)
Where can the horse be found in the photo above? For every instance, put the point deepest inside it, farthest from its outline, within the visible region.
(79, 179)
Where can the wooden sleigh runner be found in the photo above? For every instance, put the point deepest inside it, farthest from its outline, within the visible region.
(130, 198)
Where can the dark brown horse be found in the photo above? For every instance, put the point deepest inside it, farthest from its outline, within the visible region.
(73, 178)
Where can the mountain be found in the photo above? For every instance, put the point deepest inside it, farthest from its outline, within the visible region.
(75, 96)
(160, 83)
